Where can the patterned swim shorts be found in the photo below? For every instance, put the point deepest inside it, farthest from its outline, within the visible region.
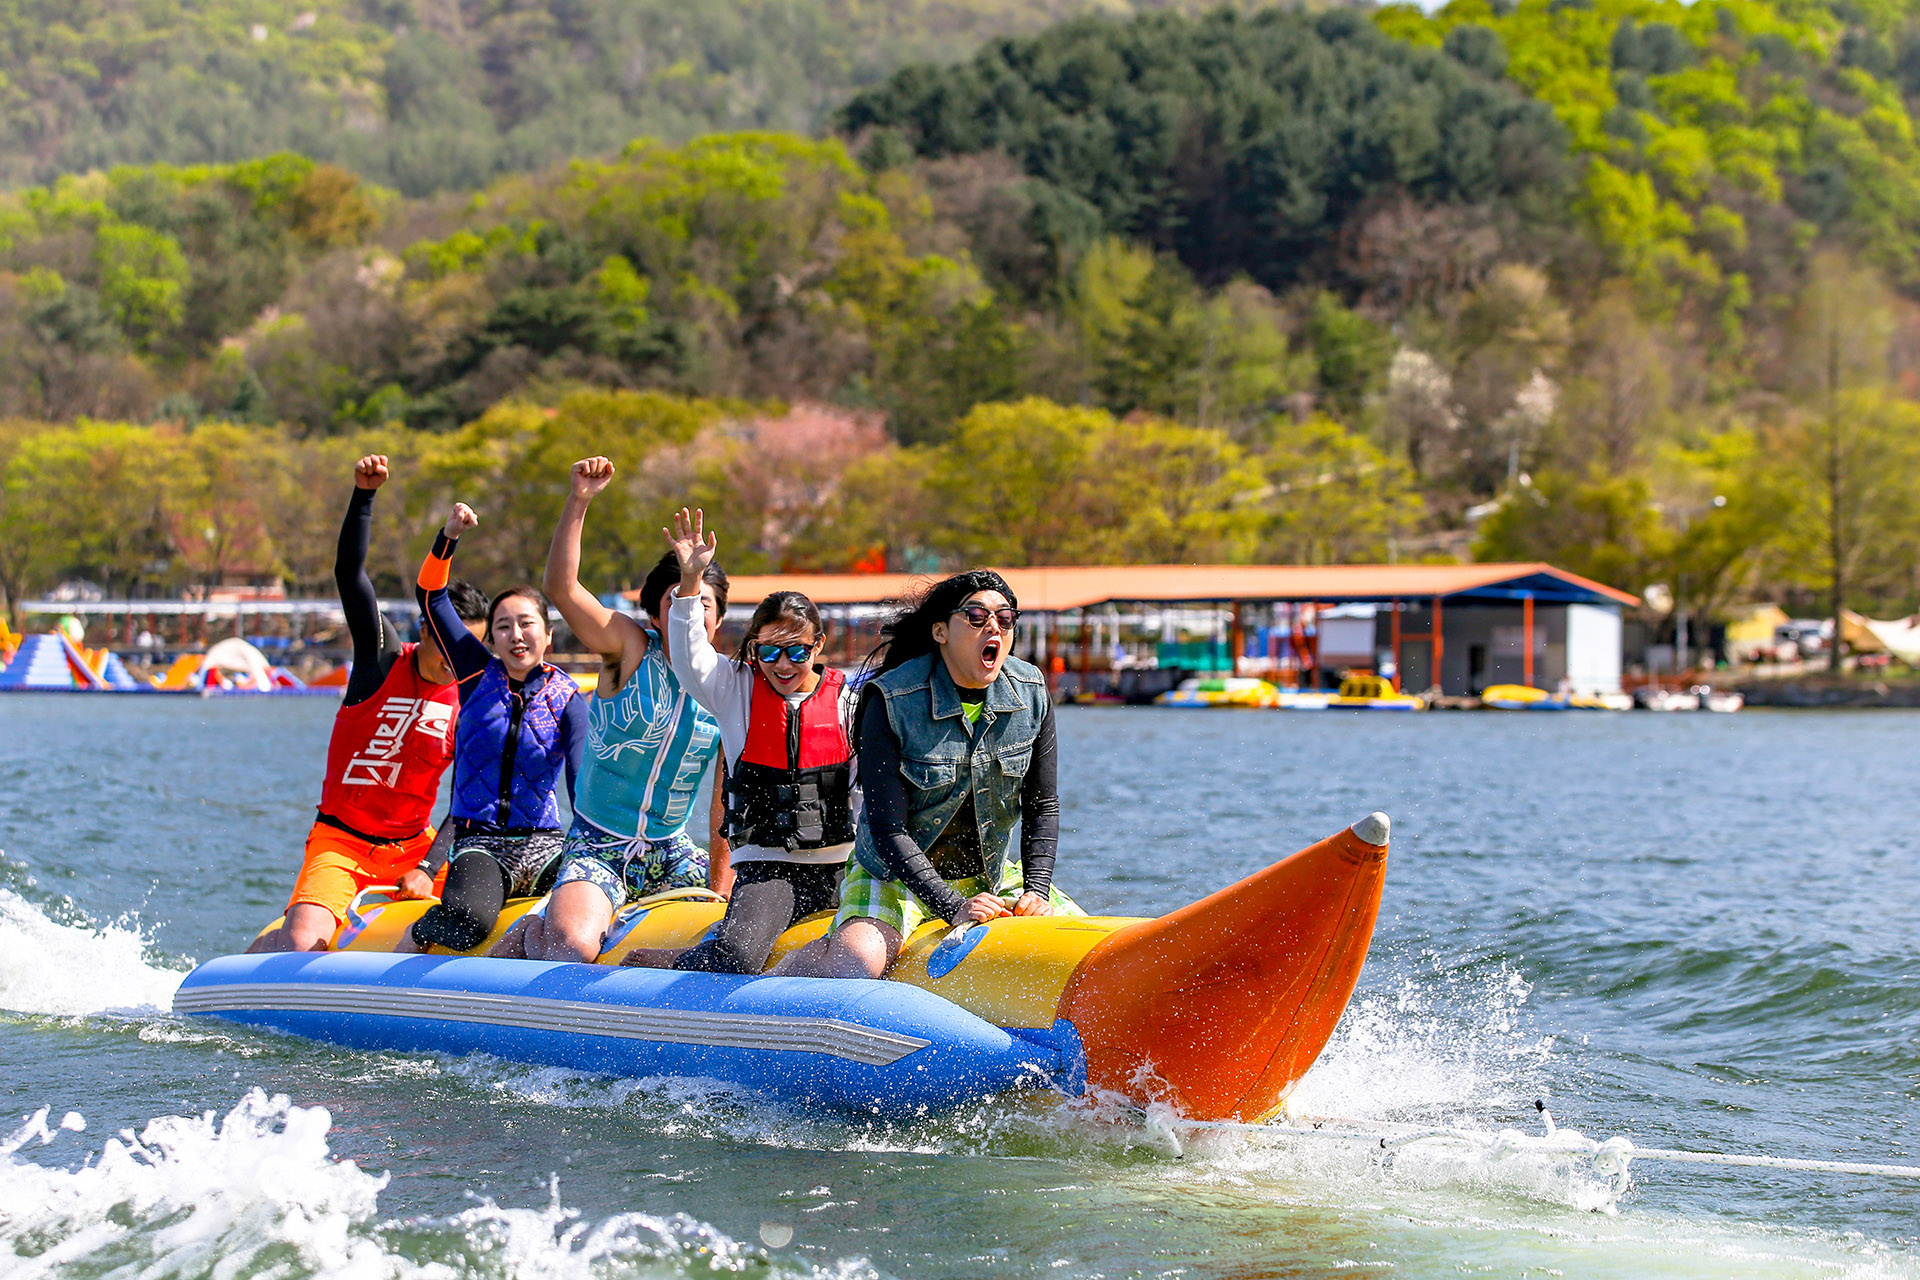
(527, 861)
(628, 867)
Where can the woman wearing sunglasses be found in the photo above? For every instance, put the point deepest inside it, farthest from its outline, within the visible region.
(789, 786)
(957, 746)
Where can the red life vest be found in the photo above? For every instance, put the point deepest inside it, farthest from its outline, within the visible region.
(792, 787)
(387, 753)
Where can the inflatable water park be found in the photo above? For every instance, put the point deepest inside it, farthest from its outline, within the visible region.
(1216, 1009)
(59, 662)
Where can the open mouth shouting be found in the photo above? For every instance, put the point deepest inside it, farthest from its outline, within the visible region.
(978, 637)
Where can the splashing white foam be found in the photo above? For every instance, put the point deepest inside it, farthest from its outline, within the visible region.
(1443, 1048)
(71, 970)
(188, 1192)
(257, 1194)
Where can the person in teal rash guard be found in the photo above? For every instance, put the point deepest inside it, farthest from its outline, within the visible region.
(649, 744)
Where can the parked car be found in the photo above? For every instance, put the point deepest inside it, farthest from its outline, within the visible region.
(1802, 638)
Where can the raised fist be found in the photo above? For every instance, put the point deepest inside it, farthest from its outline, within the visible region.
(591, 475)
(460, 520)
(370, 472)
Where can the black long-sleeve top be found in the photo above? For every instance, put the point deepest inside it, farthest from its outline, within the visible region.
(956, 853)
(376, 645)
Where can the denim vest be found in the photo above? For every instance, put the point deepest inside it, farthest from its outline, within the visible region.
(942, 763)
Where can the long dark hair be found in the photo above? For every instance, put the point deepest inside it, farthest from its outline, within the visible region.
(780, 606)
(908, 634)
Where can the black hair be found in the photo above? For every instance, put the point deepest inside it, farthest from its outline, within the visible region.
(526, 591)
(666, 573)
(469, 601)
(908, 634)
(780, 606)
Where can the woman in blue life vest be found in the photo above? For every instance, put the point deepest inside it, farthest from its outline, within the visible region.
(649, 744)
(522, 724)
(784, 727)
(956, 747)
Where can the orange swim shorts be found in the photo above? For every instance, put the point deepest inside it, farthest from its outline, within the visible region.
(339, 864)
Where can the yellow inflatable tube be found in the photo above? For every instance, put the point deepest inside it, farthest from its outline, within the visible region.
(1217, 1009)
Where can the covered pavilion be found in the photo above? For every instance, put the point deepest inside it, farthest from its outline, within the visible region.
(1526, 622)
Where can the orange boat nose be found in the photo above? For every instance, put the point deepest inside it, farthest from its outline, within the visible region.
(1220, 1007)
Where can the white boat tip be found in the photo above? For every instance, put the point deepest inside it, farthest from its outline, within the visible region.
(1374, 828)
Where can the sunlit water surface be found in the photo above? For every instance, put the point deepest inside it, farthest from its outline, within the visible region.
(1690, 930)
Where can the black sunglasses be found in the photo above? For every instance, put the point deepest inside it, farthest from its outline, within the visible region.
(977, 615)
(772, 652)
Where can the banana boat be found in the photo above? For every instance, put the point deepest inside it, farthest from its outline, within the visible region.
(1216, 1009)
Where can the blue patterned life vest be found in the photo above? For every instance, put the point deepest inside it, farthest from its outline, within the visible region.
(508, 758)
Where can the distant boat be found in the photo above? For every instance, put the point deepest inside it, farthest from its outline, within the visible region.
(1524, 697)
(1221, 691)
(1369, 692)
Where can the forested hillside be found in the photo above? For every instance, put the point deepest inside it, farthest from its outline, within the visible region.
(430, 95)
(1622, 284)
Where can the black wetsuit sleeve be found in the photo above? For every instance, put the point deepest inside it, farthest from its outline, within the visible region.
(886, 816)
(375, 643)
(466, 654)
(573, 737)
(1040, 811)
(441, 849)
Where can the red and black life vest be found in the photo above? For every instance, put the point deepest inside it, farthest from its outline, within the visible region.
(386, 754)
(792, 787)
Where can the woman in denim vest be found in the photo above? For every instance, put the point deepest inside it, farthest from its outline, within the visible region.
(956, 748)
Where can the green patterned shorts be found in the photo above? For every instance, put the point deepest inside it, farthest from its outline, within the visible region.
(891, 903)
(625, 868)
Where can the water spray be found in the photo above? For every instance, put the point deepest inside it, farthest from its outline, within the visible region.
(1611, 1158)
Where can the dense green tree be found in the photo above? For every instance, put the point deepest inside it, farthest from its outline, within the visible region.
(1240, 144)
(434, 95)
(1332, 497)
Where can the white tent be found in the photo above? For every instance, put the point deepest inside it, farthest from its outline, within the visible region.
(1900, 637)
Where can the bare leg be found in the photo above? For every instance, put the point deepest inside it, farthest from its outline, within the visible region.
(577, 918)
(858, 949)
(308, 928)
(654, 957)
(809, 961)
(521, 938)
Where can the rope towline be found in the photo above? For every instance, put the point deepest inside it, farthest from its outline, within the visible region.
(1610, 1157)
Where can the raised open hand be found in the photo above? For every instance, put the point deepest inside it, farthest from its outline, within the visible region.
(693, 545)
(370, 472)
(591, 475)
(460, 520)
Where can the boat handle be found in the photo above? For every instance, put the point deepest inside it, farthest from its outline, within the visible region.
(354, 919)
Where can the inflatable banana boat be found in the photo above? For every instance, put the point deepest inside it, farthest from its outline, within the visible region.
(1217, 1009)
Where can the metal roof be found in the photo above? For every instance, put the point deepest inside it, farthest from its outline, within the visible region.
(1052, 590)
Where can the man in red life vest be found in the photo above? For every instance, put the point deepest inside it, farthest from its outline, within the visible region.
(392, 739)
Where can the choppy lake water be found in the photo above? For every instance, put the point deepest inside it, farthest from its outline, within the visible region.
(1697, 931)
